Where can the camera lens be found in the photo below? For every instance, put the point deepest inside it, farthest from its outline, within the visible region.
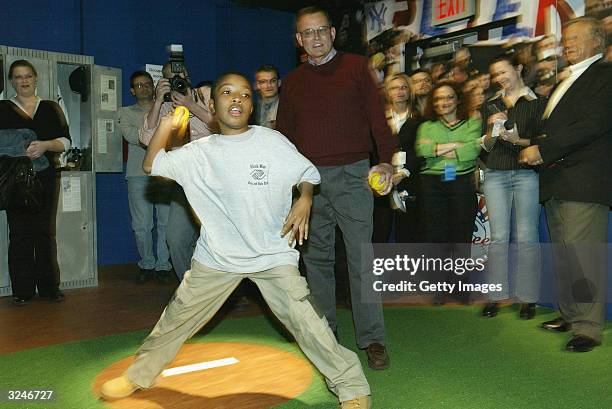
(179, 85)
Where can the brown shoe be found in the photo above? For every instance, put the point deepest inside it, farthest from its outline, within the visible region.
(360, 402)
(118, 388)
(377, 356)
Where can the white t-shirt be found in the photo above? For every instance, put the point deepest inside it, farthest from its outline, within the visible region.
(240, 188)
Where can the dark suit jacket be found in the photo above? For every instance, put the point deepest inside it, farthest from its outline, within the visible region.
(414, 163)
(576, 143)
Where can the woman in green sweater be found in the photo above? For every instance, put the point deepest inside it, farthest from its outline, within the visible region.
(449, 142)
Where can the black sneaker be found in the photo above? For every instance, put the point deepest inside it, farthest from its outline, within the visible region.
(490, 310)
(145, 275)
(163, 276)
(527, 311)
(20, 301)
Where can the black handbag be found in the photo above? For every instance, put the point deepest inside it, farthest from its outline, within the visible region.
(20, 187)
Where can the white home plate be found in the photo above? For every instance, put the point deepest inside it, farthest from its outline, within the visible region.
(199, 367)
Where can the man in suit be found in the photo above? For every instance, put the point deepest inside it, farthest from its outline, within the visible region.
(576, 184)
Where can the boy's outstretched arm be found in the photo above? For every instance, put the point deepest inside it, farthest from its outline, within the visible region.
(299, 215)
(158, 141)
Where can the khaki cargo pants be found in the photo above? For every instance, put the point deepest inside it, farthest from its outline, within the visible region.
(204, 290)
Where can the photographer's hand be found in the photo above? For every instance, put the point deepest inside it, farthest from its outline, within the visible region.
(179, 99)
(163, 87)
(201, 112)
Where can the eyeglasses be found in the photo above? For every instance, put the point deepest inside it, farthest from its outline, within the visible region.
(140, 85)
(312, 32)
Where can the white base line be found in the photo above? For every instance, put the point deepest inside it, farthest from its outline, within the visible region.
(199, 366)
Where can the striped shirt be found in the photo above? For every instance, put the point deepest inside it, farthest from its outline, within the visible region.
(527, 114)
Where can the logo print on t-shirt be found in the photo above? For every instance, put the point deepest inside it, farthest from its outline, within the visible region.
(259, 174)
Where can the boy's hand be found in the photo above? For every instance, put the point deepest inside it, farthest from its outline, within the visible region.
(166, 121)
(296, 222)
(169, 124)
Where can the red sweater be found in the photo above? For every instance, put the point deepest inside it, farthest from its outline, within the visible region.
(332, 111)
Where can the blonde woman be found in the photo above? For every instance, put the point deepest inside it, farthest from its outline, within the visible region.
(399, 99)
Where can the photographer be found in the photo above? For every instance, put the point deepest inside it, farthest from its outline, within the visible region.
(183, 227)
(201, 120)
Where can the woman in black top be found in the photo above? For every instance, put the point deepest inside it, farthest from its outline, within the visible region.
(409, 224)
(32, 247)
(399, 110)
(511, 189)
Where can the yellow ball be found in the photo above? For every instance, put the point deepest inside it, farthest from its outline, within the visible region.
(375, 182)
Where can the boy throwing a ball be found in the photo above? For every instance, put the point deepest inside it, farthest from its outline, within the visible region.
(239, 184)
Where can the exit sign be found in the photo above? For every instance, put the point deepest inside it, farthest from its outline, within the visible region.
(447, 11)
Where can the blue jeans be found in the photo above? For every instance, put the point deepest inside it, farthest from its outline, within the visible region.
(145, 195)
(512, 203)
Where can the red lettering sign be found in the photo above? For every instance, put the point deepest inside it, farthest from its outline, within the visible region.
(446, 11)
(442, 9)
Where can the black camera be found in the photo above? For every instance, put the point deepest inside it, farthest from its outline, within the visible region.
(177, 67)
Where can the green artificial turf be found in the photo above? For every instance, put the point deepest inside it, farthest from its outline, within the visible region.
(440, 358)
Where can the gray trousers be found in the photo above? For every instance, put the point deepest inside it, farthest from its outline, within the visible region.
(344, 199)
(182, 232)
(579, 233)
(204, 290)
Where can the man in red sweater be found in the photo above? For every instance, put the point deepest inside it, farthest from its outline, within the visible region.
(331, 110)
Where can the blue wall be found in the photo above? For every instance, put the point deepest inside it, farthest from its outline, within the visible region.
(217, 36)
(46, 25)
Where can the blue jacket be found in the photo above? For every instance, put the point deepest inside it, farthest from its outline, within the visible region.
(14, 142)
